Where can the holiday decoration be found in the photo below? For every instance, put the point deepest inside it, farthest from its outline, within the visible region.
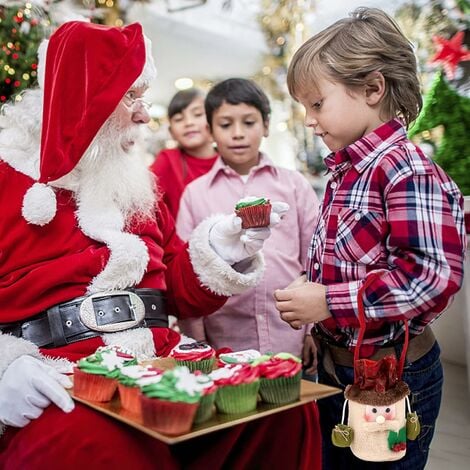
(379, 419)
(450, 52)
(444, 106)
(21, 30)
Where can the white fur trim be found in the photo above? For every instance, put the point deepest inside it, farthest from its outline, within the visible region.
(150, 71)
(128, 257)
(138, 340)
(12, 348)
(60, 364)
(215, 273)
(42, 51)
(39, 204)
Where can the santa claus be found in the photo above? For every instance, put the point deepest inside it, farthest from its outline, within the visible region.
(89, 254)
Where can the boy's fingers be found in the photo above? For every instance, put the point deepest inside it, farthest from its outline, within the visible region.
(282, 295)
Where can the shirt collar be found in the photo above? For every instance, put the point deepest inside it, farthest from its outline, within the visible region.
(365, 150)
(220, 167)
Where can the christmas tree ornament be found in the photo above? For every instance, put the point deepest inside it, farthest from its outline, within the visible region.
(379, 416)
(450, 52)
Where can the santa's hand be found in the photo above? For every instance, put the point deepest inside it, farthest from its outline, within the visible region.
(232, 243)
(278, 209)
(27, 387)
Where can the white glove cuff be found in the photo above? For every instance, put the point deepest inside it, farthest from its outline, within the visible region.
(12, 348)
(213, 272)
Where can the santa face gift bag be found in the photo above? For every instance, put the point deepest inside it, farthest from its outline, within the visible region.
(379, 419)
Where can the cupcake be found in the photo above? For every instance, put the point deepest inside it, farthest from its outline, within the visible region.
(254, 211)
(246, 356)
(208, 393)
(195, 356)
(129, 380)
(95, 375)
(169, 403)
(238, 388)
(280, 377)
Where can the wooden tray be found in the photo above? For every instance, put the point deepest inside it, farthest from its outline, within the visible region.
(309, 391)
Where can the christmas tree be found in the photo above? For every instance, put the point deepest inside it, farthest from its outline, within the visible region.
(22, 28)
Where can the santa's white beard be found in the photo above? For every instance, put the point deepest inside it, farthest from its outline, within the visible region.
(108, 177)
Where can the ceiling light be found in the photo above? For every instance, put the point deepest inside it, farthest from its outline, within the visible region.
(183, 83)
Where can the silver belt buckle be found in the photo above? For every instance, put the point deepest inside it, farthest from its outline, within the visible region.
(88, 316)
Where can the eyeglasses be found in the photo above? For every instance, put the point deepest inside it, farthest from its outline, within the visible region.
(131, 102)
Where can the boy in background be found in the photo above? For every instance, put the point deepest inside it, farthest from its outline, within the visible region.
(387, 210)
(238, 114)
(195, 154)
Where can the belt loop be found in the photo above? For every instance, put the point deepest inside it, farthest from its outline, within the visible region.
(56, 327)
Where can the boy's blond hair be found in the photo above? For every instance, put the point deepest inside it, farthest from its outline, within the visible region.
(347, 51)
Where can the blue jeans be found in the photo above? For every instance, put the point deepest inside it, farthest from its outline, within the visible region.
(424, 378)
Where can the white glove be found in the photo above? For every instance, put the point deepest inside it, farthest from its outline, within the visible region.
(233, 244)
(27, 387)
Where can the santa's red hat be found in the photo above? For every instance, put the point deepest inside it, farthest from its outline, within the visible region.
(88, 69)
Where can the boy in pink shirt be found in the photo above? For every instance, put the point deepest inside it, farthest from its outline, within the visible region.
(238, 114)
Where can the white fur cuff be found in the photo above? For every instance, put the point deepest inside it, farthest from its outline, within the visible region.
(215, 273)
(12, 348)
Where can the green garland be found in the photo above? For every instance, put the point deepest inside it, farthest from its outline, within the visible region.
(443, 106)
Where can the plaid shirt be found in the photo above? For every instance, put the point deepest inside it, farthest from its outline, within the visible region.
(387, 208)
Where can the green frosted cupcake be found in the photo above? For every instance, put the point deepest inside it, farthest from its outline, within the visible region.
(238, 388)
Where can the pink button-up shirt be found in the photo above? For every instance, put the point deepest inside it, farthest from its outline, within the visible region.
(251, 320)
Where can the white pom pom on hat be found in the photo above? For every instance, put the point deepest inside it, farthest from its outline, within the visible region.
(39, 204)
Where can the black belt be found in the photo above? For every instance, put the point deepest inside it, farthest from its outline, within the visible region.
(90, 316)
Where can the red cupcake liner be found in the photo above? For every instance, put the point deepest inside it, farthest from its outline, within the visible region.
(168, 417)
(130, 399)
(93, 387)
(255, 216)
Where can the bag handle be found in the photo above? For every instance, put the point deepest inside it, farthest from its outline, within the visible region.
(362, 324)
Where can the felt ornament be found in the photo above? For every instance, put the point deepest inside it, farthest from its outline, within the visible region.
(379, 418)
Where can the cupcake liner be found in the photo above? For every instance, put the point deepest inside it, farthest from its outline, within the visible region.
(130, 399)
(205, 409)
(237, 398)
(205, 366)
(280, 390)
(168, 417)
(93, 387)
(254, 216)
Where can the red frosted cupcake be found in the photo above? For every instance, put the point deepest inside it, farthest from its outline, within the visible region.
(95, 376)
(254, 211)
(280, 378)
(195, 356)
(170, 402)
(238, 388)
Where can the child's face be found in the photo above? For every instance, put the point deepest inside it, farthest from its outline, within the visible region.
(189, 127)
(237, 130)
(339, 115)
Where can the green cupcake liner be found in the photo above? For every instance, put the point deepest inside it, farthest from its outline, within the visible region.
(205, 366)
(237, 398)
(205, 409)
(281, 390)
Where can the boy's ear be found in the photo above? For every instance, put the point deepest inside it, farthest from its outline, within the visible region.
(266, 128)
(374, 88)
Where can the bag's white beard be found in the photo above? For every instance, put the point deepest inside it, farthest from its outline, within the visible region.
(109, 176)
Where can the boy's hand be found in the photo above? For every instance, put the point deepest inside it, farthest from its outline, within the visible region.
(301, 305)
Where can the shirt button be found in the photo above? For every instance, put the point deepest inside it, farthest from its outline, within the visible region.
(316, 266)
(357, 217)
(333, 185)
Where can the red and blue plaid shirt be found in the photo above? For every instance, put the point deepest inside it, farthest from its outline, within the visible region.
(387, 208)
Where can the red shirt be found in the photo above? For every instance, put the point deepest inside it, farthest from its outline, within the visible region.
(175, 169)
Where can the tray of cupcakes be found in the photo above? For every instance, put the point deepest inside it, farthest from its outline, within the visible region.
(191, 393)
